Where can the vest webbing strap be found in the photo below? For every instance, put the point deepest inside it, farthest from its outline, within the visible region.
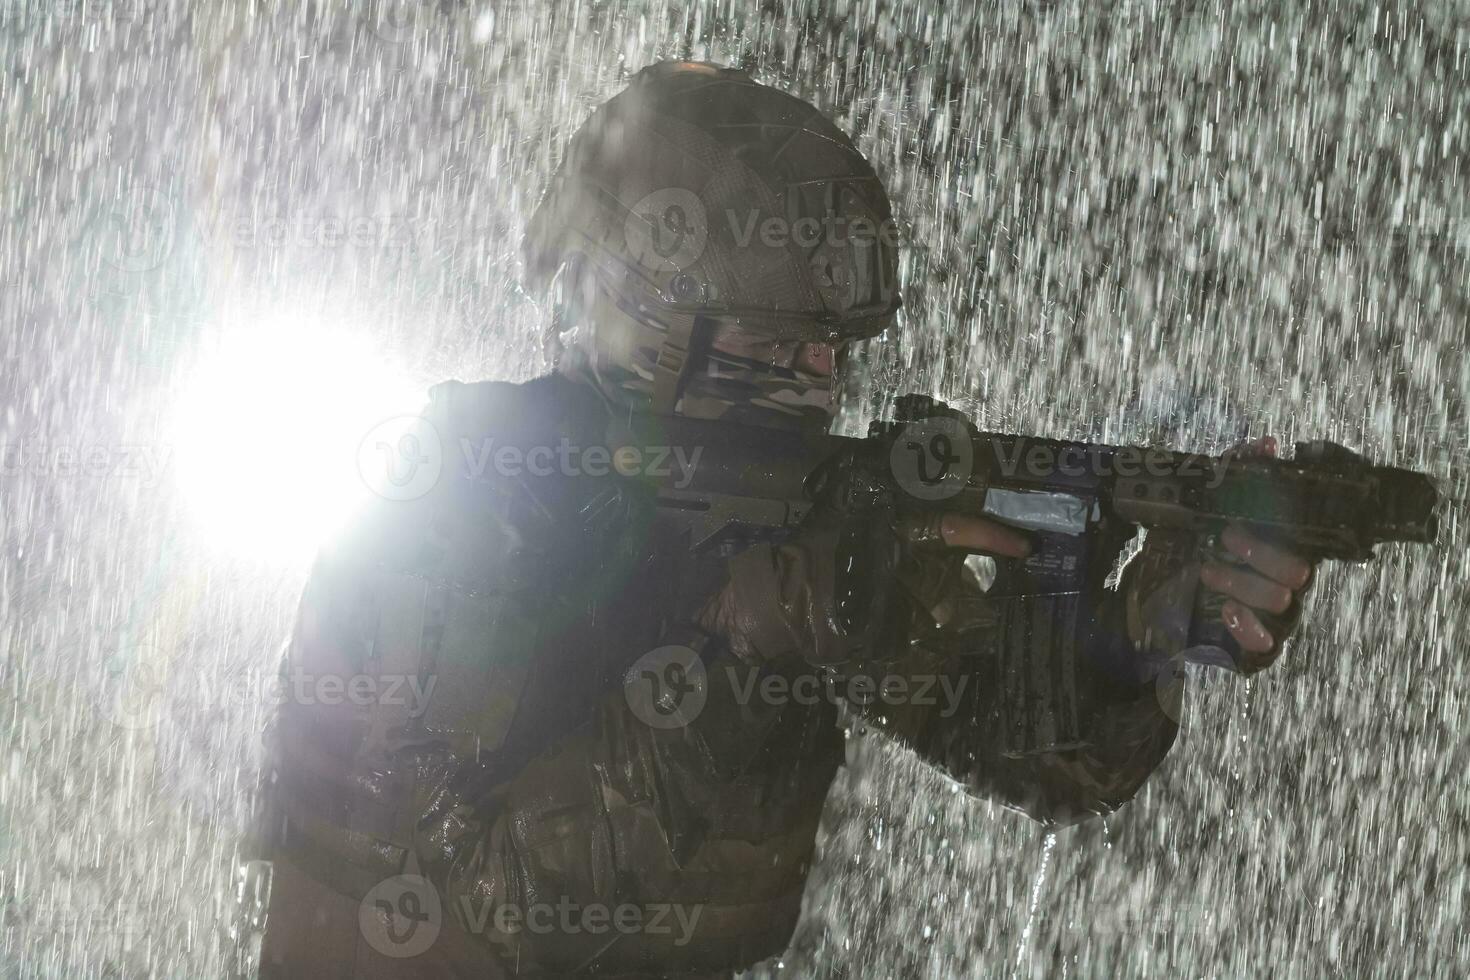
(672, 366)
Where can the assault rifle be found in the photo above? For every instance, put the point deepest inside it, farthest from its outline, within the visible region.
(1077, 501)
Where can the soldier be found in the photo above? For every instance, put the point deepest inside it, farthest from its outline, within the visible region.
(710, 244)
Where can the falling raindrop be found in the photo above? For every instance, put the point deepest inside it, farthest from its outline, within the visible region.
(1141, 222)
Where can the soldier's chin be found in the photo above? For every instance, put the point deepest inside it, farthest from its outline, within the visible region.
(815, 360)
(790, 410)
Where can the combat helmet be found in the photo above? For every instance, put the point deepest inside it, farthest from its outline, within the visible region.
(698, 204)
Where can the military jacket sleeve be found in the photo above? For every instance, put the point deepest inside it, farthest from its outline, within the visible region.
(778, 602)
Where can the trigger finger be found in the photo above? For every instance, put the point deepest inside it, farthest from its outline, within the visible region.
(978, 534)
(1247, 587)
(1291, 570)
(1246, 628)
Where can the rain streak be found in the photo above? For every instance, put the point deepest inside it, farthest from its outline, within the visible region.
(235, 236)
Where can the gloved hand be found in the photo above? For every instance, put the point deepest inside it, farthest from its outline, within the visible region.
(781, 600)
(1262, 585)
(936, 546)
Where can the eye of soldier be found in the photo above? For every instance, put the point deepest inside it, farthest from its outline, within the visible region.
(794, 355)
(818, 360)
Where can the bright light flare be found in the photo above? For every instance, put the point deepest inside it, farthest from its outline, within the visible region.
(267, 432)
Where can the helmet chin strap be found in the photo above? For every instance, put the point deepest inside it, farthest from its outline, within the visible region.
(671, 370)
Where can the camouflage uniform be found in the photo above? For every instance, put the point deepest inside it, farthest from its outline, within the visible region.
(530, 779)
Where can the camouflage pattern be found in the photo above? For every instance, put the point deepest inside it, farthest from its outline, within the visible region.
(619, 357)
(529, 778)
(779, 603)
(653, 240)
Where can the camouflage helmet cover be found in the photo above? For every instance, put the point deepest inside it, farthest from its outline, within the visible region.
(697, 191)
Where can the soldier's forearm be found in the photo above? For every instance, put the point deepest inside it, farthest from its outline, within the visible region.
(1125, 726)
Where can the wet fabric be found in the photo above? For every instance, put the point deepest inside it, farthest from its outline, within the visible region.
(527, 779)
(697, 190)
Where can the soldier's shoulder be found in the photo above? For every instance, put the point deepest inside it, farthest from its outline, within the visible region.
(447, 489)
(473, 397)
(510, 409)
